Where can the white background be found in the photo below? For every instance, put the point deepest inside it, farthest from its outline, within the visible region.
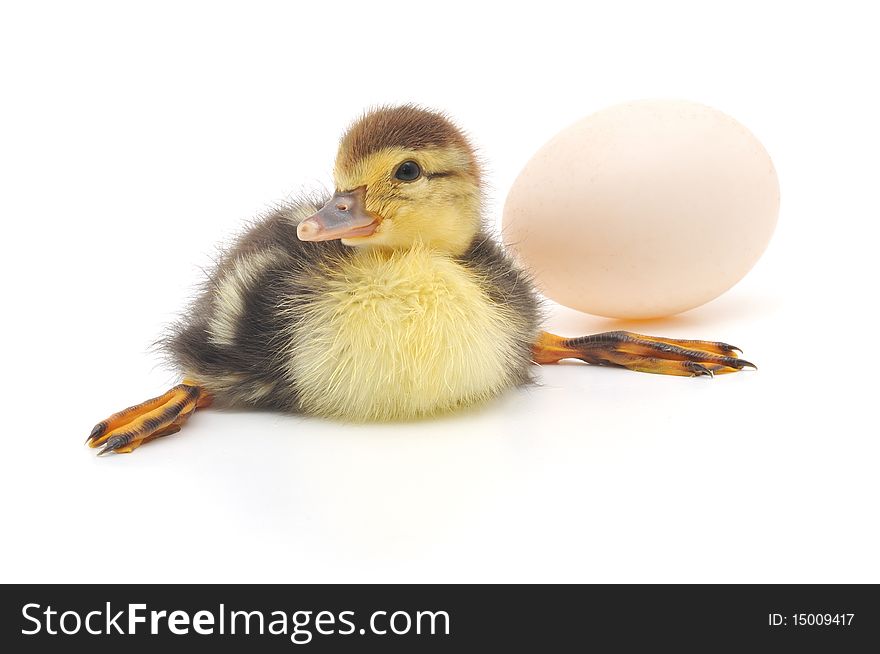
(133, 140)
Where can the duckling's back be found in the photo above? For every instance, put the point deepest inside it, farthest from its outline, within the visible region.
(356, 333)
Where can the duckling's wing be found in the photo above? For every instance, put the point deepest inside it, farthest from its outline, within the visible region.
(228, 340)
(509, 288)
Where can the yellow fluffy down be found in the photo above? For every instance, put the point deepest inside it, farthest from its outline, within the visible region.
(399, 335)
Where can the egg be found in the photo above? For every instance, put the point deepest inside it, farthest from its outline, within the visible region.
(643, 210)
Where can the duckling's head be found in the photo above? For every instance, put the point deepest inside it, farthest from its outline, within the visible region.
(404, 176)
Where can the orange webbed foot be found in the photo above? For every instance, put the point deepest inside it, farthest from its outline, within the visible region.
(665, 356)
(126, 430)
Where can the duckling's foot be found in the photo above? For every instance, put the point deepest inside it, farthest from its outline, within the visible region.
(126, 430)
(665, 356)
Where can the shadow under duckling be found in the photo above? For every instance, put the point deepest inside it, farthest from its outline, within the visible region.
(386, 301)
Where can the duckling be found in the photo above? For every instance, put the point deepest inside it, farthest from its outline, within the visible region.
(388, 300)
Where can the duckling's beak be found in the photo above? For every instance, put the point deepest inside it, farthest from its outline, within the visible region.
(344, 216)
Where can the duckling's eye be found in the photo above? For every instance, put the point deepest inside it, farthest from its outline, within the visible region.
(408, 171)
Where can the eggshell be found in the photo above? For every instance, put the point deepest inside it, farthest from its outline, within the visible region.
(643, 210)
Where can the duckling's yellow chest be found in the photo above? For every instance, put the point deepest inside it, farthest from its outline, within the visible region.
(399, 335)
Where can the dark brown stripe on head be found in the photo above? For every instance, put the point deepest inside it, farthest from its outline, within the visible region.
(406, 126)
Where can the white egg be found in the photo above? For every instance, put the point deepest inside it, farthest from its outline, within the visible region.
(644, 209)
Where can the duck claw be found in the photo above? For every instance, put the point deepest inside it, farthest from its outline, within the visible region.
(127, 430)
(699, 370)
(106, 450)
(665, 356)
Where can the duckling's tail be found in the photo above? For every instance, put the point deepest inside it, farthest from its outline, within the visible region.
(127, 430)
(665, 356)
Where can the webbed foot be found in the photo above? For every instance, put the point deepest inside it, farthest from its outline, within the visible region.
(126, 430)
(665, 356)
